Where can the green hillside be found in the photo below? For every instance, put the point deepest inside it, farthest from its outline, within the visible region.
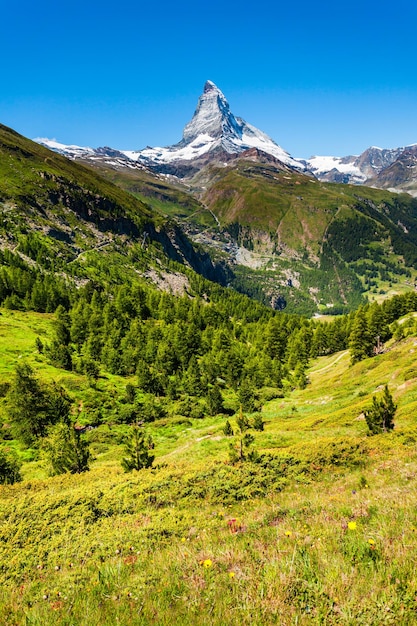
(286, 237)
(35, 179)
(63, 225)
(336, 243)
(174, 452)
(320, 528)
(168, 199)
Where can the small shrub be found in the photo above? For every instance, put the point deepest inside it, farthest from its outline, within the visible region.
(228, 430)
(258, 423)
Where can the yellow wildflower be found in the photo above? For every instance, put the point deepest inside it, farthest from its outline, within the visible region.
(352, 525)
(207, 563)
(288, 533)
(232, 574)
(371, 542)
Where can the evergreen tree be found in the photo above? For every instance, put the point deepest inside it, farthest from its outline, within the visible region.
(58, 404)
(62, 326)
(66, 450)
(9, 469)
(258, 423)
(39, 345)
(246, 395)
(320, 342)
(214, 401)
(298, 347)
(193, 383)
(137, 450)
(130, 393)
(299, 376)
(360, 340)
(33, 406)
(275, 339)
(27, 405)
(59, 355)
(377, 324)
(91, 369)
(380, 417)
(80, 315)
(241, 449)
(228, 430)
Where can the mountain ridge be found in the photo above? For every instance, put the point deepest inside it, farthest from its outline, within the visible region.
(214, 133)
(213, 130)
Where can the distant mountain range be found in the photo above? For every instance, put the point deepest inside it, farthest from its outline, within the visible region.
(230, 203)
(368, 168)
(215, 134)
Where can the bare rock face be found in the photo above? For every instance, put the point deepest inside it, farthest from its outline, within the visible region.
(212, 117)
(401, 174)
(213, 130)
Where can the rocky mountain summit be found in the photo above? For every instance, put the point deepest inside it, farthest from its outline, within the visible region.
(214, 130)
(213, 134)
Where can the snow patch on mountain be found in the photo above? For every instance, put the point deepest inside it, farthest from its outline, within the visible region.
(199, 146)
(215, 130)
(212, 129)
(67, 150)
(321, 166)
(356, 169)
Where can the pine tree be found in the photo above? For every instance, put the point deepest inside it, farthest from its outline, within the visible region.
(66, 450)
(214, 401)
(246, 395)
(33, 406)
(360, 340)
(258, 423)
(380, 417)
(9, 469)
(241, 449)
(27, 405)
(299, 376)
(228, 430)
(137, 450)
(39, 345)
(62, 324)
(92, 370)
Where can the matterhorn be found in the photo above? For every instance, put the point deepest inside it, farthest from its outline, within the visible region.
(213, 134)
(213, 130)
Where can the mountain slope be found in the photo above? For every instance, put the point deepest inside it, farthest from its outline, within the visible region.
(55, 211)
(287, 238)
(323, 242)
(196, 532)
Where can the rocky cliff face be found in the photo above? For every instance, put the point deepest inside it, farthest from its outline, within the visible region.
(401, 175)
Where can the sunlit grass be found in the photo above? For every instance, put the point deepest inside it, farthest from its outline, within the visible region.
(326, 537)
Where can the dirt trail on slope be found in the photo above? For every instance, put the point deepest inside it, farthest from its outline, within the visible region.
(327, 367)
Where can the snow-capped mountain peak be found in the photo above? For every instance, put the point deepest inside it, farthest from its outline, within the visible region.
(212, 129)
(212, 117)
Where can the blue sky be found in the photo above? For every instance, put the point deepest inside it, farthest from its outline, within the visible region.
(319, 78)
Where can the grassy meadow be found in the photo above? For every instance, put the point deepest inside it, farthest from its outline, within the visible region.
(320, 529)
